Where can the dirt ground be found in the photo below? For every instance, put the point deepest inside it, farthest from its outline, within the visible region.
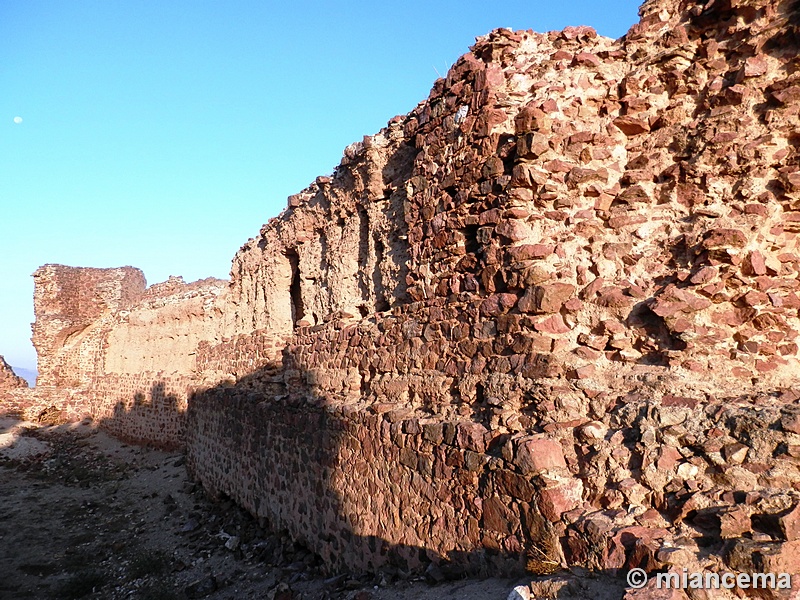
(83, 515)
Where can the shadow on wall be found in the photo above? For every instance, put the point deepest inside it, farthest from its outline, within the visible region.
(366, 491)
(302, 466)
(156, 419)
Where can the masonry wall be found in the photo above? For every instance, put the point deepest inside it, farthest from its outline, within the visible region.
(114, 350)
(364, 492)
(597, 307)
(8, 379)
(68, 302)
(382, 460)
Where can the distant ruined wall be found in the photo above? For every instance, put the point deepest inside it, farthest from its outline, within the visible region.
(550, 315)
(115, 350)
(14, 392)
(9, 379)
(68, 302)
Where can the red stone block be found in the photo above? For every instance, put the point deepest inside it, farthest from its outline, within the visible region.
(546, 298)
(498, 517)
(471, 436)
(735, 522)
(539, 454)
(782, 558)
(704, 275)
(553, 324)
(513, 229)
(564, 497)
(724, 238)
(672, 400)
(531, 251)
(790, 422)
(667, 458)
(588, 353)
(754, 264)
(788, 96)
(756, 209)
(755, 66)
(514, 485)
(532, 145)
(631, 126)
(586, 59)
(558, 166)
(585, 372)
(560, 55)
(498, 304)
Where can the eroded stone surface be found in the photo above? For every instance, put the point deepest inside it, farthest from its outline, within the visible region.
(8, 379)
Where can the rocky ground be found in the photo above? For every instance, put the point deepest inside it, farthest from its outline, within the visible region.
(83, 515)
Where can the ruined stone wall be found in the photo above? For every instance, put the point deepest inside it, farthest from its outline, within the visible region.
(373, 490)
(633, 198)
(601, 275)
(112, 349)
(14, 391)
(147, 407)
(8, 379)
(551, 315)
(68, 302)
(364, 491)
(339, 247)
(390, 459)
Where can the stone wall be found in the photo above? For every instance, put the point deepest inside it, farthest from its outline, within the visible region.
(365, 491)
(389, 459)
(112, 349)
(8, 379)
(68, 302)
(550, 317)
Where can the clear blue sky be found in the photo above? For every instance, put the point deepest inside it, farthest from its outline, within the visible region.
(162, 134)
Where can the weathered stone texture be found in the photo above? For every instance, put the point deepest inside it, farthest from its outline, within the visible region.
(8, 379)
(68, 303)
(550, 314)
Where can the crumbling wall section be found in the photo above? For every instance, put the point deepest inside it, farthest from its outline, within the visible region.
(14, 391)
(389, 460)
(111, 349)
(339, 247)
(8, 379)
(600, 293)
(68, 302)
(633, 198)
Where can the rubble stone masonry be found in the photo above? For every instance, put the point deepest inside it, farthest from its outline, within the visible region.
(8, 379)
(549, 317)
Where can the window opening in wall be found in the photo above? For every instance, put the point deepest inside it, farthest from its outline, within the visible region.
(363, 252)
(381, 303)
(298, 310)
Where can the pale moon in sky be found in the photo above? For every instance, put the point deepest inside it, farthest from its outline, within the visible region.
(17, 120)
